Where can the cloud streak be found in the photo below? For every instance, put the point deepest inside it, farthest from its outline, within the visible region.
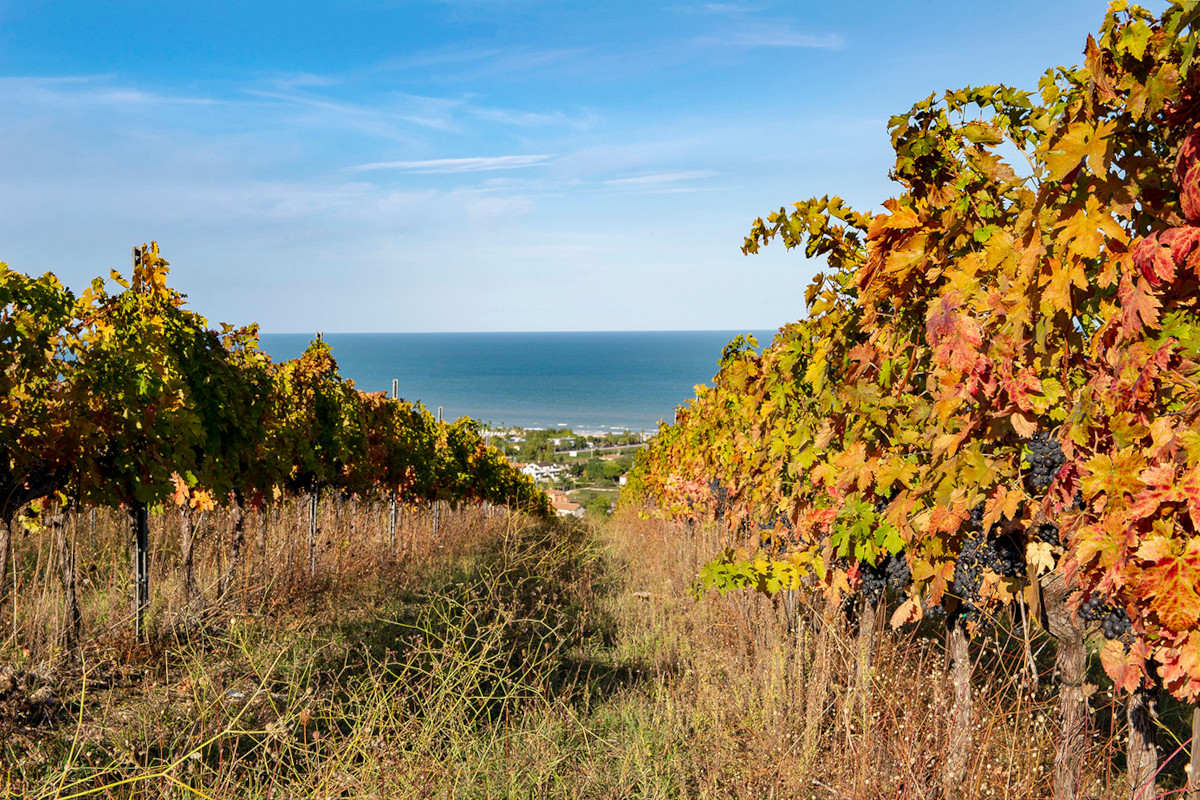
(660, 178)
(773, 36)
(441, 166)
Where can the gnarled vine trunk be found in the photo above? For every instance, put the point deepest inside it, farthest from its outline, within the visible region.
(187, 555)
(962, 710)
(237, 539)
(864, 651)
(1070, 666)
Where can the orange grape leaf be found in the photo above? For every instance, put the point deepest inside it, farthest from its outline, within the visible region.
(1127, 670)
(1171, 586)
(1024, 425)
(954, 336)
(1180, 667)
(180, 496)
(1139, 308)
(908, 612)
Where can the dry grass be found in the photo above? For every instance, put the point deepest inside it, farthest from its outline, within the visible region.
(501, 657)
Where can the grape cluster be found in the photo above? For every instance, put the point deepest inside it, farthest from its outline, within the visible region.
(1092, 609)
(998, 553)
(975, 520)
(898, 572)
(1116, 624)
(720, 496)
(893, 571)
(1114, 621)
(1048, 533)
(1045, 460)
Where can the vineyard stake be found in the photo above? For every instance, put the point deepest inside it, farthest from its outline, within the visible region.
(1194, 774)
(141, 567)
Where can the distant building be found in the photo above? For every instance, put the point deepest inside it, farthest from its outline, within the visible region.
(542, 471)
(563, 505)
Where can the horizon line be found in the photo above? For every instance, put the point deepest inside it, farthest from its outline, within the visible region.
(592, 330)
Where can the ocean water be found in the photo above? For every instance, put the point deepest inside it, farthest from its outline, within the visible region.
(594, 382)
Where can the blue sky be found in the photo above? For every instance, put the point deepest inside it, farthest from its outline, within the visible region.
(472, 164)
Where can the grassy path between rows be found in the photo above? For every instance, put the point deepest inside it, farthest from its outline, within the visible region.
(504, 658)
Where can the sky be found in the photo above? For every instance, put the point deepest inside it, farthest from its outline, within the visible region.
(473, 165)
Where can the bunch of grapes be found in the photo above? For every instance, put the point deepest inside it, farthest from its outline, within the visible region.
(770, 538)
(1116, 624)
(1092, 609)
(898, 572)
(720, 496)
(968, 572)
(1002, 556)
(1048, 533)
(1045, 460)
(874, 581)
(1114, 620)
(975, 521)
(998, 553)
(892, 570)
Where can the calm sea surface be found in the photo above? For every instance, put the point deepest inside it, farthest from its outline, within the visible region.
(585, 381)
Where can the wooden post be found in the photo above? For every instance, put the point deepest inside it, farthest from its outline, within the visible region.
(1142, 756)
(5, 556)
(392, 526)
(437, 504)
(66, 573)
(139, 520)
(187, 551)
(312, 532)
(1194, 775)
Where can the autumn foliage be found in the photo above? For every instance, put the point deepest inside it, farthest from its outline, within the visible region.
(128, 397)
(1036, 273)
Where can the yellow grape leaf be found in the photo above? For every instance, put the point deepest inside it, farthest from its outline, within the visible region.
(1114, 475)
(1082, 141)
(1039, 556)
(1088, 229)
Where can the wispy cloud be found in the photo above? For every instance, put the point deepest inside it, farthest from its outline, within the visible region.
(660, 178)
(97, 90)
(452, 165)
(773, 36)
(733, 9)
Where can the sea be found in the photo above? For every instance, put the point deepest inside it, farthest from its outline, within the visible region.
(590, 382)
